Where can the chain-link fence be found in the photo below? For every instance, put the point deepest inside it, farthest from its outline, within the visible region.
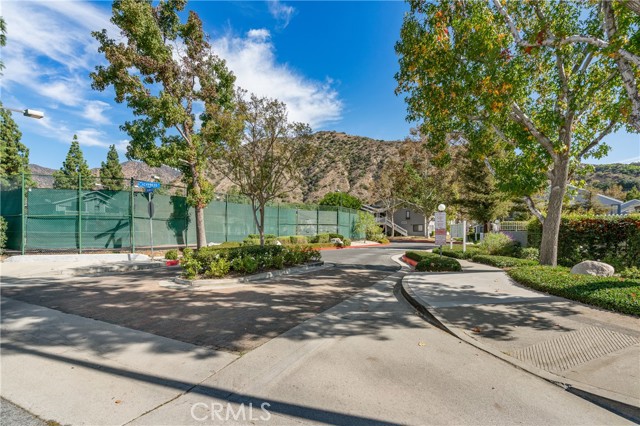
(49, 214)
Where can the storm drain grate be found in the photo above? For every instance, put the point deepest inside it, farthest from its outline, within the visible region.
(574, 348)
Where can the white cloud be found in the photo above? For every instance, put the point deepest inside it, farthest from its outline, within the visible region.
(94, 111)
(252, 60)
(93, 137)
(281, 12)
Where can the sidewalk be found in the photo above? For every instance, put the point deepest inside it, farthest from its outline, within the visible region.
(592, 352)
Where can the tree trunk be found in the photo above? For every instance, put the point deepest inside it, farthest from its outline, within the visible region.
(201, 237)
(426, 230)
(261, 226)
(393, 224)
(551, 225)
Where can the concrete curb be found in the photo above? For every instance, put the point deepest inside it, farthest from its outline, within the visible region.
(117, 267)
(112, 257)
(622, 405)
(183, 283)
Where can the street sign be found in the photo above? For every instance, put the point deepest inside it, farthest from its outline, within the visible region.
(152, 185)
(149, 190)
(441, 228)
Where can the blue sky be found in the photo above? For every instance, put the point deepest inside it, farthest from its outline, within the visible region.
(332, 63)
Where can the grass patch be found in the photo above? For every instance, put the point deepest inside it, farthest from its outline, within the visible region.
(613, 293)
(431, 262)
(503, 261)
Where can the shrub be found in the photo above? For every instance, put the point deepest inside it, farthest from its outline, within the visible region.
(612, 239)
(383, 240)
(530, 253)
(433, 262)
(502, 261)
(324, 238)
(631, 273)
(218, 268)
(214, 261)
(346, 241)
(457, 252)
(298, 239)
(618, 294)
(334, 235)
(190, 264)
(3, 234)
(171, 255)
(499, 244)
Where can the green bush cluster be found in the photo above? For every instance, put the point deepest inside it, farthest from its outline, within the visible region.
(431, 262)
(618, 294)
(530, 253)
(632, 273)
(611, 239)
(498, 244)
(457, 253)
(171, 255)
(3, 234)
(502, 261)
(219, 261)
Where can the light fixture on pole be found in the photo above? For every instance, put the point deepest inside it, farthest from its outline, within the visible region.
(442, 207)
(31, 113)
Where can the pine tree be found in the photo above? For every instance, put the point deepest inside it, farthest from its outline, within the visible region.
(480, 198)
(74, 165)
(14, 156)
(111, 175)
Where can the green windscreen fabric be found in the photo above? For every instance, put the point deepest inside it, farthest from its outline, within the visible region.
(68, 219)
(11, 211)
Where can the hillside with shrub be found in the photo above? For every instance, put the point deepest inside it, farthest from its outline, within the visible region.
(346, 163)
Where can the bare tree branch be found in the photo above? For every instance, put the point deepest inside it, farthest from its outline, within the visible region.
(523, 119)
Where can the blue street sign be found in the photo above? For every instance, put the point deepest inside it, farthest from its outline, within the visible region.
(144, 184)
(147, 190)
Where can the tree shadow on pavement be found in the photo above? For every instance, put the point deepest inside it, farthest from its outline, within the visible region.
(234, 319)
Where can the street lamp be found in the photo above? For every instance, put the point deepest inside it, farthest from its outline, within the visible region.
(442, 208)
(31, 113)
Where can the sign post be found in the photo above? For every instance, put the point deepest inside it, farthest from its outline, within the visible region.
(148, 189)
(441, 229)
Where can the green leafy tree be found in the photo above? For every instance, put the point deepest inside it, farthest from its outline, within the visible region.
(547, 80)
(268, 155)
(634, 194)
(165, 70)
(3, 39)
(14, 155)
(480, 198)
(111, 175)
(340, 199)
(73, 168)
(422, 185)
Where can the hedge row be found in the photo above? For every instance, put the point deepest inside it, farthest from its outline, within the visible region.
(215, 262)
(502, 261)
(432, 262)
(617, 294)
(611, 239)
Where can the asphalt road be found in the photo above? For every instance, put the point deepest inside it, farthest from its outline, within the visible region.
(367, 360)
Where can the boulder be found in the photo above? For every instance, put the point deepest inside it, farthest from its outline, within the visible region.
(591, 267)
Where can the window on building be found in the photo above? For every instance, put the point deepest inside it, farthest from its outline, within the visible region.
(408, 215)
(418, 228)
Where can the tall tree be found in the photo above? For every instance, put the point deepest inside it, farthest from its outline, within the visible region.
(542, 78)
(165, 71)
(73, 169)
(268, 156)
(422, 185)
(341, 199)
(634, 194)
(480, 198)
(111, 175)
(14, 155)
(388, 190)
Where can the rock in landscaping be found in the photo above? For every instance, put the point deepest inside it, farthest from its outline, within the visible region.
(591, 267)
